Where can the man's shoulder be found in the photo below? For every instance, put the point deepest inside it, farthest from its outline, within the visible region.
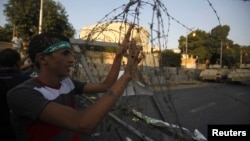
(24, 88)
(28, 83)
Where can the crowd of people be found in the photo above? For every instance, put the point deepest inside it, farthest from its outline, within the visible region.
(42, 108)
(19, 44)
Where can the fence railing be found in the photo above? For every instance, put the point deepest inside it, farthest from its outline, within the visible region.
(5, 45)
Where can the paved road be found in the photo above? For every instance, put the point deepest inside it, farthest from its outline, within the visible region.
(204, 104)
(191, 106)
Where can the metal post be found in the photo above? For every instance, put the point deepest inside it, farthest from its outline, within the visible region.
(40, 17)
(240, 56)
(221, 46)
(186, 50)
(87, 70)
(190, 31)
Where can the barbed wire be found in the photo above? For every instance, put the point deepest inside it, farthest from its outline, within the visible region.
(159, 29)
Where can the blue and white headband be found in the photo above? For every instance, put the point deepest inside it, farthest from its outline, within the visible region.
(57, 46)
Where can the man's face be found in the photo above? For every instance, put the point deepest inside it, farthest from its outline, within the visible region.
(60, 62)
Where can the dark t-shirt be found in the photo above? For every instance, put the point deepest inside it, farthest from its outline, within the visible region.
(8, 80)
(27, 101)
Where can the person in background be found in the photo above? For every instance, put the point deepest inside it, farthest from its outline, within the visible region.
(43, 108)
(25, 46)
(11, 75)
(17, 43)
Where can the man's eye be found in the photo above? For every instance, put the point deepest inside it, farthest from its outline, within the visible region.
(67, 52)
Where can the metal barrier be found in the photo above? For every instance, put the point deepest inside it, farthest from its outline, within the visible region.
(4, 45)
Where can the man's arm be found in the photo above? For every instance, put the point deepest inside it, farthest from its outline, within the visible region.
(24, 66)
(13, 40)
(85, 121)
(115, 69)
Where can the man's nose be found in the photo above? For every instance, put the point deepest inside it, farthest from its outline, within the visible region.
(71, 59)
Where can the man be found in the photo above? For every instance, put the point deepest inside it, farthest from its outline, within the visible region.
(11, 75)
(17, 43)
(43, 107)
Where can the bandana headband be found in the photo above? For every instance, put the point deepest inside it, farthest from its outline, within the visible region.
(57, 46)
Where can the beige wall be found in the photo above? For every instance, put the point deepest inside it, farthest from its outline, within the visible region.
(115, 33)
(107, 58)
(189, 61)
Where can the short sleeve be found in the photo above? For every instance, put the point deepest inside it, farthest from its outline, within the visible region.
(26, 102)
(78, 86)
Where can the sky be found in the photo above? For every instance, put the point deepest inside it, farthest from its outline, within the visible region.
(196, 14)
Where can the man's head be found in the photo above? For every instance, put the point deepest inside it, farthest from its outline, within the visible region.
(9, 58)
(46, 43)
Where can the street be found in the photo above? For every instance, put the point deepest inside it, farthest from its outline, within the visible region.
(187, 106)
(211, 103)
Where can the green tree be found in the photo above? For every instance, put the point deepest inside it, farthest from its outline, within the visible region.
(56, 19)
(229, 58)
(218, 38)
(170, 59)
(195, 39)
(244, 54)
(220, 32)
(203, 54)
(182, 44)
(24, 16)
(6, 33)
(197, 45)
(207, 46)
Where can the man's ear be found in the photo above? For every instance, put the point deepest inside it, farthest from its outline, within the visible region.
(40, 58)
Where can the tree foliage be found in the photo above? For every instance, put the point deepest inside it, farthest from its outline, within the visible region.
(170, 59)
(24, 17)
(245, 54)
(5, 33)
(210, 46)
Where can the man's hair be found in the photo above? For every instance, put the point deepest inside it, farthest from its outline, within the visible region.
(9, 58)
(42, 41)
